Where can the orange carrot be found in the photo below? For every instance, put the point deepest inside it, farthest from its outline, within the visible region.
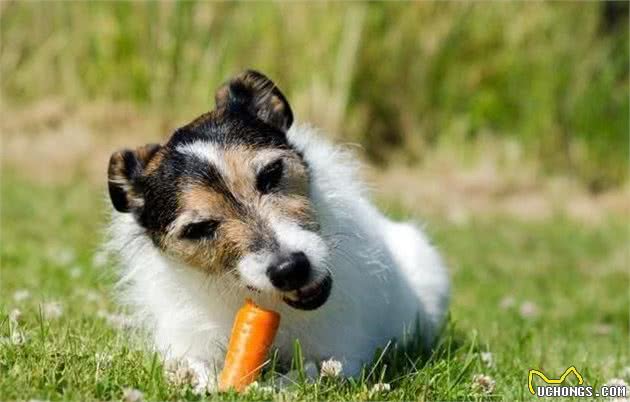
(252, 335)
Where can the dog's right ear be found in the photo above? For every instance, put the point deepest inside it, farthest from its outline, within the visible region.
(125, 168)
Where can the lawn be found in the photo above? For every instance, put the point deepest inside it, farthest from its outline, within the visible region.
(544, 295)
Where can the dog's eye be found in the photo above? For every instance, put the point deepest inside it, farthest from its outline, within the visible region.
(269, 177)
(200, 230)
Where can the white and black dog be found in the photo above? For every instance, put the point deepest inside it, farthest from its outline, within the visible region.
(241, 204)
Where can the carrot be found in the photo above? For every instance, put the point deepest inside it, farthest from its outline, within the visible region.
(252, 335)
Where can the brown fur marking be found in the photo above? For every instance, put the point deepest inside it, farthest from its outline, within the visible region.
(242, 227)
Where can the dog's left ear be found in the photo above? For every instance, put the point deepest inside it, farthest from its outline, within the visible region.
(253, 93)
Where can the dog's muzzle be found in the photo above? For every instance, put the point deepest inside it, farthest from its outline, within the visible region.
(311, 296)
(292, 275)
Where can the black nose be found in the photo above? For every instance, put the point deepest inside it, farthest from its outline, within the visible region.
(291, 272)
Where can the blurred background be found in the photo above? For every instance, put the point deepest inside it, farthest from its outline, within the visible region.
(538, 89)
(502, 126)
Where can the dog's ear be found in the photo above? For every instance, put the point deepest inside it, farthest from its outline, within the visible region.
(126, 167)
(253, 93)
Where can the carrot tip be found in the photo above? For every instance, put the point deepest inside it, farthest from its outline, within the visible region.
(252, 335)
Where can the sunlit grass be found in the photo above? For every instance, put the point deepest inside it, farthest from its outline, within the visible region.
(543, 295)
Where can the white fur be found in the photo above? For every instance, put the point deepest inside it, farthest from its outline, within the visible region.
(205, 151)
(386, 276)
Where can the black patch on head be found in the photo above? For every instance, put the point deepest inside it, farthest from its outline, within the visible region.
(230, 129)
(269, 177)
(160, 191)
(252, 93)
(163, 187)
(250, 111)
(200, 230)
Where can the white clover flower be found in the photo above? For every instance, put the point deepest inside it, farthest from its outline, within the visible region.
(252, 387)
(17, 338)
(52, 310)
(616, 382)
(487, 359)
(266, 389)
(132, 395)
(170, 364)
(179, 373)
(76, 271)
(507, 302)
(15, 316)
(483, 383)
(602, 329)
(380, 387)
(331, 368)
(21, 295)
(99, 259)
(529, 310)
(92, 296)
(256, 387)
(63, 256)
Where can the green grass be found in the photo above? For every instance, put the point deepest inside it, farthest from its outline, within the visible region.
(398, 78)
(576, 276)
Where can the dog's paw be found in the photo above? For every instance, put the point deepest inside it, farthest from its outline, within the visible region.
(196, 373)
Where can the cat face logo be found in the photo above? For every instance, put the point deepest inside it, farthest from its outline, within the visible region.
(560, 380)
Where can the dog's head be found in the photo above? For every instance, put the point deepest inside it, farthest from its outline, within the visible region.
(228, 195)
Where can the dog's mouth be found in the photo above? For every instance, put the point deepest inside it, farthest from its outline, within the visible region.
(311, 296)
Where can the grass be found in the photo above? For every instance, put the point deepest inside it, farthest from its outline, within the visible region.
(543, 295)
(398, 78)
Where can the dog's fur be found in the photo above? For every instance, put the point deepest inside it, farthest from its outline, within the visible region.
(197, 221)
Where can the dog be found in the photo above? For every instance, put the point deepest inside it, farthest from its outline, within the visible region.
(242, 203)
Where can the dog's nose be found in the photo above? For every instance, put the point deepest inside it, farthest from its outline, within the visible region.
(291, 272)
